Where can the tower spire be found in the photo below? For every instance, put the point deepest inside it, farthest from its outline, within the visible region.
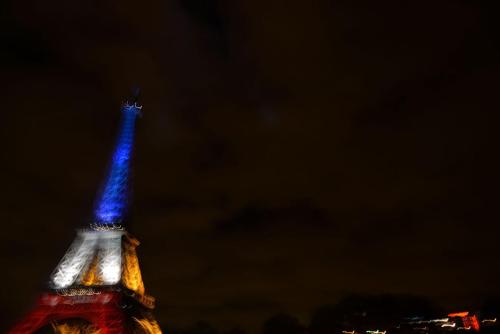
(112, 202)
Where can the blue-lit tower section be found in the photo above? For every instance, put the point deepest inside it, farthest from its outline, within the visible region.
(111, 206)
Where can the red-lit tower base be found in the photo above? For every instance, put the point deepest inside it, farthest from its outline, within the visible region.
(102, 310)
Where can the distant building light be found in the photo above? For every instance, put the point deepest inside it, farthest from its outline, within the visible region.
(451, 324)
(458, 314)
(489, 321)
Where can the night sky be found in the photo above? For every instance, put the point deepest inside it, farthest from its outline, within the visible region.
(290, 152)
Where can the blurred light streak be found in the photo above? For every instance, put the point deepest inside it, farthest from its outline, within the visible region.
(112, 203)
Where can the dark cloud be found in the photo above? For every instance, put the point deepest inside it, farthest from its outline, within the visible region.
(258, 219)
(206, 13)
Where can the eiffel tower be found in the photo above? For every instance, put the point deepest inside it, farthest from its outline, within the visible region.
(97, 286)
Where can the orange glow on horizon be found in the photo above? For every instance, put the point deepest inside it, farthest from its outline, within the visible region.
(458, 314)
(467, 319)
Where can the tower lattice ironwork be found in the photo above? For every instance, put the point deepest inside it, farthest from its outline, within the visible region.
(99, 280)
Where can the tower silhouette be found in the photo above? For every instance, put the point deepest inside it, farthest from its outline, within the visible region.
(97, 287)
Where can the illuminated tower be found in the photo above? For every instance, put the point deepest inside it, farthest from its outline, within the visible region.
(97, 286)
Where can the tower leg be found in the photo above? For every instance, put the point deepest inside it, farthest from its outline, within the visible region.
(31, 323)
(102, 311)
